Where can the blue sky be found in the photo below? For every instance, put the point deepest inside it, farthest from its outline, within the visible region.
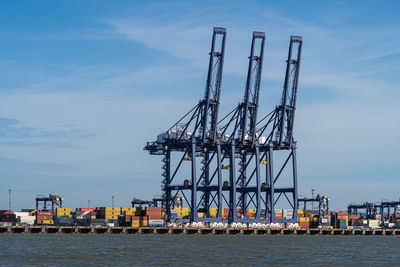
(84, 85)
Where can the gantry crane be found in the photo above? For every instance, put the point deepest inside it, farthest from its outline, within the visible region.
(238, 132)
(370, 208)
(323, 207)
(278, 128)
(194, 136)
(218, 178)
(53, 199)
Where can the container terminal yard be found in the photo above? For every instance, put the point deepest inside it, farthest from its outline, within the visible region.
(235, 174)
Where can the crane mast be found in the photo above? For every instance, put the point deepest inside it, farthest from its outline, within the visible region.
(250, 104)
(287, 108)
(210, 104)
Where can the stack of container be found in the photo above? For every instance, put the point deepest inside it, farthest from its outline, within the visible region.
(278, 213)
(25, 217)
(304, 222)
(239, 213)
(91, 210)
(64, 211)
(306, 219)
(343, 219)
(108, 213)
(128, 211)
(251, 213)
(213, 212)
(287, 214)
(182, 212)
(355, 221)
(303, 218)
(225, 213)
(154, 216)
(135, 220)
(374, 223)
(44, 217)
(7, 217)
(83, 217)
(142, 217)
(64, 217)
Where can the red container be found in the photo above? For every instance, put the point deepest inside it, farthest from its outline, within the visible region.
(128, 218)
(225, 212)
(47, 213)
(154, 217)
(5, 212)
(45, 217)
(305, 225)
(86, 209)
(156, 211)
(135, 218)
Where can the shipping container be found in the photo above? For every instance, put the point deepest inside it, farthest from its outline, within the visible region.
(156, 223)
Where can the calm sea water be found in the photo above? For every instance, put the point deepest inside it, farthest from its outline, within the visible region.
(199, 250)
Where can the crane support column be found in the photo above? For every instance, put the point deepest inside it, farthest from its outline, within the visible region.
(232, 184)
(193, 211)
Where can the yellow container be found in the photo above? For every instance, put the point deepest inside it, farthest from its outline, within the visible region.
(110, 209)
(93, 217)
(182, 211)
(63, 211)
(111, 217)
(135, 223)
(213, 212)
(47, 222)
(252, 210)
(303, 212)
(110, 213)
(304, 219)
(128, 209)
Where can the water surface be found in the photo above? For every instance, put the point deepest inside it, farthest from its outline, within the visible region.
(188, 250)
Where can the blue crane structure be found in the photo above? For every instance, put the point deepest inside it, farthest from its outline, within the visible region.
(370, 209)
(207, 148)
(278, 128)
(193, 137)
(323, 207)
(54, 200)
(388, 205)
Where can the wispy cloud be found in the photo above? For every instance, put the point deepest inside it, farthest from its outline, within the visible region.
(16, 133)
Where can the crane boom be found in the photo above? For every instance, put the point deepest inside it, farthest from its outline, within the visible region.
(287, 108)
(210, 104)
(252, 92)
